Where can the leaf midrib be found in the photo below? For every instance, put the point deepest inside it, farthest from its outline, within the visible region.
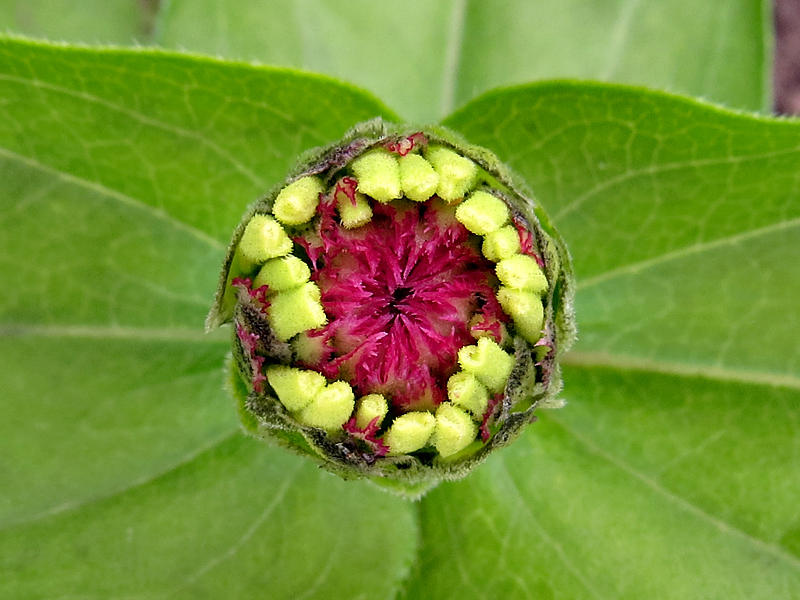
(579, 358)
(114, 332)
(231, 551)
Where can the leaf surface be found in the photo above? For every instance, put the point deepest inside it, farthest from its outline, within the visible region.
(239, 521)
(644, 486)
(124, 474)
(719, 50)
(394, 49)
(192, 139)
(682, 219)
(671, 471)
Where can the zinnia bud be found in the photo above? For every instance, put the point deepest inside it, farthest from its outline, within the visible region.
(399, 306)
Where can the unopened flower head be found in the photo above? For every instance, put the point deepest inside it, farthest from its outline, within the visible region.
(399, 306)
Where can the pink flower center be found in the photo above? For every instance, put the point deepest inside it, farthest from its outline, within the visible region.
(400, 294)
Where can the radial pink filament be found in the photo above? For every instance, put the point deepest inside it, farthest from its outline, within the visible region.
(250, 344)
(399, 294)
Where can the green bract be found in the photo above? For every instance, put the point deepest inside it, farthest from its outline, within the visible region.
(399, 306)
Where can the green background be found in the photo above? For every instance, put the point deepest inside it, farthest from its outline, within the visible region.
(672, 471)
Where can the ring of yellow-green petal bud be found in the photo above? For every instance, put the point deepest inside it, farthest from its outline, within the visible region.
(263, 239)
(287, 286)
(501, 243)
(297, 202)
(378, 175)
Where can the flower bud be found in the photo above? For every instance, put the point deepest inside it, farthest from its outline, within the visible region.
(399, 306)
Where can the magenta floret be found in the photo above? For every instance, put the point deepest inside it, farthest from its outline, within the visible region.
(526, 243)
(490, 416)
(405, 145)
(399, 294)
(256, 297)
(368, 435)
(347, 186)
(250, 344)
(396, 291)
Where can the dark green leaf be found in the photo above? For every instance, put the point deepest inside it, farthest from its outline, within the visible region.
(682, 219)
(88, 412)
(670, 474)
(193, 139)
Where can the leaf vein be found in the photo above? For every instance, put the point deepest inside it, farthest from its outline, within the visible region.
(632, 363)
(664, 168)
(693, 249)
(546, 537)
(137, 483)
(681, 502)
(144, 120)
(250, 531)
(114, 194)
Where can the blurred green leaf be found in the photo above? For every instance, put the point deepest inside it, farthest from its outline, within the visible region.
(394, 49)
(719, 49)
(425, 58)
(123, 22)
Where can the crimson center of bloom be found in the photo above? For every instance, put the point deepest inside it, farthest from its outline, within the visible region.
(402, 295)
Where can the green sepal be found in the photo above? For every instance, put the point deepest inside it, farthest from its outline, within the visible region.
(535, 380)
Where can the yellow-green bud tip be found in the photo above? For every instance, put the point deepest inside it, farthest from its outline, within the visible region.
(501, 243)
(298, 201)
(488, 362)
(523, 273)
(378, 175)
(281, 274)
(331, 408)
(454, 430)
(417, 177)
(296, 310)
(482, 213)
(457, 174)
(353, 216)
(309, 349)
(264, 238)
(295, 388)
(466, 391)
(526, 309)
(369, 407)
(409, 432)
